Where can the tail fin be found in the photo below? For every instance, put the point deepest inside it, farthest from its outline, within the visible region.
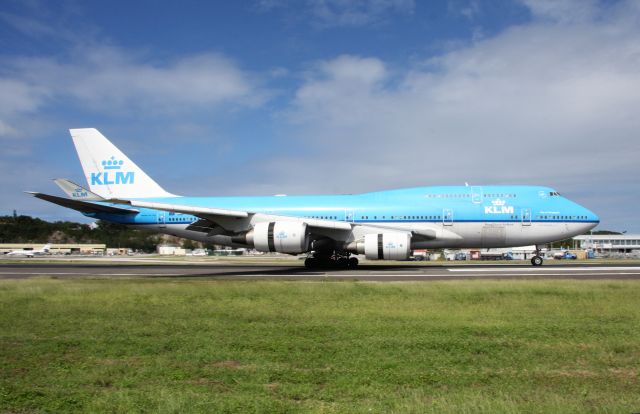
(110, 173)
(46, 248)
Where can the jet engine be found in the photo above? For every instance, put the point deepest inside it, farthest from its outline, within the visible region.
(280, 236)
(384, 246)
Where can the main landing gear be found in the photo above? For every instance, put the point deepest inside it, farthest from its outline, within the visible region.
(537, 259)
(331, 261)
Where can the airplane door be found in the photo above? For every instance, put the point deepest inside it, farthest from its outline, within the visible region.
(526, 216)
(348, 216)
(476, 194)
(161, 220)
(447, 217)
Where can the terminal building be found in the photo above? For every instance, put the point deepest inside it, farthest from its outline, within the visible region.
(67, 248)
(612, 244)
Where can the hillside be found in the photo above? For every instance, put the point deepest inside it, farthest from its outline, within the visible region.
(26, 229)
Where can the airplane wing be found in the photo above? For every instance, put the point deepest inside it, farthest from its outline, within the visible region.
(221, 217)
(83, 206)
(203, 212)
(216, 221)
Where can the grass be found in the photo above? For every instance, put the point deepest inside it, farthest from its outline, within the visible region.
(175, 346)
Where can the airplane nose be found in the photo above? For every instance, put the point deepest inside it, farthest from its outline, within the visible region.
(592, 218)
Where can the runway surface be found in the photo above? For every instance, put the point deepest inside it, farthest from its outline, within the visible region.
(381, 273)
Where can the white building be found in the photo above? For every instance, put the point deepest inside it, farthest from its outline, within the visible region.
(57, 248)
(168, 250)
(609, 243)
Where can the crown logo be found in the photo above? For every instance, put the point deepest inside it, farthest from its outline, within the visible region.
(498, 202)
(112, 164)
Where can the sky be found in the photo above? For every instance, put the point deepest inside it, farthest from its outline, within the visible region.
(291, 97)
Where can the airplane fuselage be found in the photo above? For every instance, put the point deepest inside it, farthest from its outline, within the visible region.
(455, 216)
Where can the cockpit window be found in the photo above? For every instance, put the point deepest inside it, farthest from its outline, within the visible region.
(554, 194)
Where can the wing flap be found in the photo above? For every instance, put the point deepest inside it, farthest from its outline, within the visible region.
(325, 224)
(425, 234)
(204, 212)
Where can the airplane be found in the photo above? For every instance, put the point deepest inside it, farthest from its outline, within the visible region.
(30, 253)
(331, 229)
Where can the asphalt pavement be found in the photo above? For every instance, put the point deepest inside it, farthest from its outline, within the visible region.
(381, 273)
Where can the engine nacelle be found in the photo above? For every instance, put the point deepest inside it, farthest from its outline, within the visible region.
(387, 246)
(281, 236)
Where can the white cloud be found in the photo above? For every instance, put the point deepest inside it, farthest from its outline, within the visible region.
(343, 13)
(6, 130)
(17, 99)
(18, 96)
(344, 83)
(357, 12)
(469, 9)
(28, 26)
(563, 11)
(112, 80)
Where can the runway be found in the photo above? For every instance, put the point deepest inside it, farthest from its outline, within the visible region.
(380, 273)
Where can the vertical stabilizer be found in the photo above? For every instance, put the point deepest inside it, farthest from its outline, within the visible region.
(109, 172)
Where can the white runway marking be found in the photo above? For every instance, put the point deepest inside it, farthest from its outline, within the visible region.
(552, 269)
(85, 274)
(407, 275)
(412, 275)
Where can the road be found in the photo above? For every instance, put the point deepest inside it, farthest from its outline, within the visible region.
(381, 273)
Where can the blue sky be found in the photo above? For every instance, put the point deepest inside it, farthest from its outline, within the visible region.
(327, 96)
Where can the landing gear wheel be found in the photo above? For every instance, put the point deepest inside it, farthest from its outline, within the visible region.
(536, 261)
(311, 263)
(330, 260)
(342, 263)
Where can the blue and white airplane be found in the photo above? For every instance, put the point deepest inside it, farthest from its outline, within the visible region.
(384, 225)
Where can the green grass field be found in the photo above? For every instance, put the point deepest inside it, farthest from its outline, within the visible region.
(332, 347)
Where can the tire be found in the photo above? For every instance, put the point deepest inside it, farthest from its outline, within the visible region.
(536, 261)
(310, 263)
(353, 262)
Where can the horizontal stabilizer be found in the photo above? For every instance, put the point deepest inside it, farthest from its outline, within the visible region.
(83, 206)
(75, 191)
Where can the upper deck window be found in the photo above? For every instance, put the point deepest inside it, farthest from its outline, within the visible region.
(554, 194)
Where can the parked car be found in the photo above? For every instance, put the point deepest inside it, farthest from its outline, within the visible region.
(566, 255)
